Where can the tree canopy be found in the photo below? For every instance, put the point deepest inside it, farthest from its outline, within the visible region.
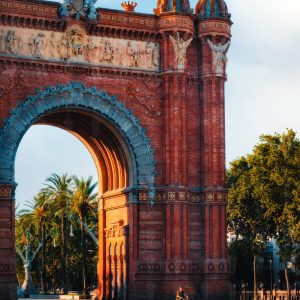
(264, 194)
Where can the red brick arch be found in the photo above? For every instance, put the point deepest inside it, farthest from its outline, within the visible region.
(142, 93)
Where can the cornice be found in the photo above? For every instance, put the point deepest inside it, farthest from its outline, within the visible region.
(86, 69)
(89, 70)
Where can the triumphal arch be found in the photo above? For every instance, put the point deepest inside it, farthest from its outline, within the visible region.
(145, 94)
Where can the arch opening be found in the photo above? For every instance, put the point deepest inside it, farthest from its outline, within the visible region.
(120, 149)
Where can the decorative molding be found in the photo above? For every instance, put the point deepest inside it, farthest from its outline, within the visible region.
(76, 94)
(33, 9)
(212, 27)
(184, 267)
(215, 266)
(183, 196)
(83, 69)
(175, 22)
(125, 19)
(116, 230)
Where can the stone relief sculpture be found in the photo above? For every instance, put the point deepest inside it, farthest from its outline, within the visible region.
(11, 42)
(155, 56)
(108, 55)
(146, 56)
(219, 57)
(90, 50)
(132, 55)
(38, 43)
(2, 41)
(53, 46)
(75, 45)
(180, 47)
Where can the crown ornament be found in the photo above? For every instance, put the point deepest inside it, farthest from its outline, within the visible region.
(129, 5)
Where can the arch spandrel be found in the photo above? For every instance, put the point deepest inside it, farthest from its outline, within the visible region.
(77, 95)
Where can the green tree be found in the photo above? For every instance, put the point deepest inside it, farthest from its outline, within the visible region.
(275, 164)
(59, 192)
(246, 220)
(84, 203)
(37, 215)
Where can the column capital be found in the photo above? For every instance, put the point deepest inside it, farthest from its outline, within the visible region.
(7, 189)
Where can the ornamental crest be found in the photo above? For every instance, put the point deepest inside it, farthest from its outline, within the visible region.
(79, 8)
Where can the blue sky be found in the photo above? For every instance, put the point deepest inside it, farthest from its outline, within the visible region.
(262, 92)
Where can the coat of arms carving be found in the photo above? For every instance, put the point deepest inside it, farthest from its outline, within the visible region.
(79, 8)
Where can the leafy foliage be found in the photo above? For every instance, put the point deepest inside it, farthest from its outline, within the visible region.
(264, 195)
(49, 219)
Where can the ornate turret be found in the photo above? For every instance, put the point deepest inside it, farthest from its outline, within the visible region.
(172, 6)
(212, 8)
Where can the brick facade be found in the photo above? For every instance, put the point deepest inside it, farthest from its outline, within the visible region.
(155, 234)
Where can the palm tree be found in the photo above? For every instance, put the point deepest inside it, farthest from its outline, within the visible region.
(59, 193)
(84, 204)
(37, 216)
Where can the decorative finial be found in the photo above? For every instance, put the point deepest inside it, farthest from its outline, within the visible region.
(129, 5)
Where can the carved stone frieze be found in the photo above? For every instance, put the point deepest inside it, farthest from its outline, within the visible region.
(75, 46)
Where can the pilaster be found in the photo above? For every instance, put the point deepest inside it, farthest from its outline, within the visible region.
(215, 274)
(7, 242)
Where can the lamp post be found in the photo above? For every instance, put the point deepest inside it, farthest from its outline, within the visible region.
(271, 279)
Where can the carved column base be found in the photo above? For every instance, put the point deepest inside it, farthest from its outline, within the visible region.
(8, 288)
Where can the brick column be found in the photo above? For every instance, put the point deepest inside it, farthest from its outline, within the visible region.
(7, 242)
(215, 269)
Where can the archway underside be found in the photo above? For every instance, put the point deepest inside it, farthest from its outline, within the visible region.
(105, 148)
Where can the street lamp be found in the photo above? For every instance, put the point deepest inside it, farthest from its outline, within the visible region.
(271, 279)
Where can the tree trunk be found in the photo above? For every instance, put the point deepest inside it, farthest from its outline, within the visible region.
(286, 274)
(43, 287)
(64, 253)
(84, 263)
(254, 278)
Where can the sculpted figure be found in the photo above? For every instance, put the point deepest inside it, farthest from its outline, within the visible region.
(108, 54)
(219, 56)
(181, 295)
(101, 50)
(132, 56)
(2, 41)
(53, 46)
(63, 11)
(119, 56)
(64, 48)
(180, 47)
(155, 56)
(90, 50)
(146, 56)
(92, 13)
(11, 42)
(38, 45)
(77, 42)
